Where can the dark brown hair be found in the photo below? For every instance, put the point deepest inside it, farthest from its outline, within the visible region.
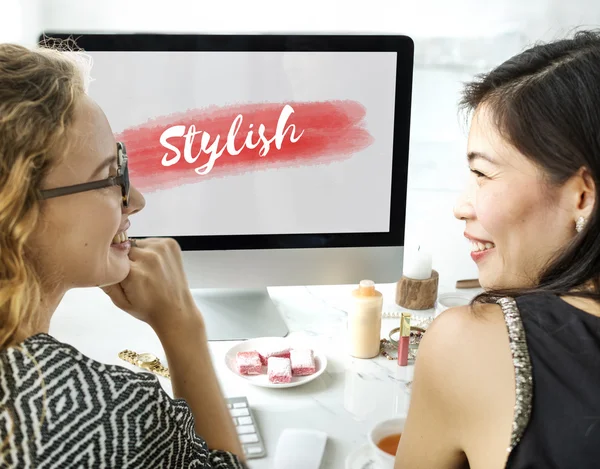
(546, 103)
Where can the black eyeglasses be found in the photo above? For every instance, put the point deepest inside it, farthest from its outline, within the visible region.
(121, 179)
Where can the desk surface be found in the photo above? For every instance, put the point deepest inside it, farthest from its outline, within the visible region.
(350, 397)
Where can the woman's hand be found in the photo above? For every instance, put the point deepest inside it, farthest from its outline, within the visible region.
(156, 290)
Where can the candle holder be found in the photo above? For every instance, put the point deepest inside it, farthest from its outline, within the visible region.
(417, 294)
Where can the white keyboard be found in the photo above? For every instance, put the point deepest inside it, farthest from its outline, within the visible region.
(246, 427)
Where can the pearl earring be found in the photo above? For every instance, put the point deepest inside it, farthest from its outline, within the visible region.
(580, 224)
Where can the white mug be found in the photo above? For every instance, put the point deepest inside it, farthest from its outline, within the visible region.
(380, 431)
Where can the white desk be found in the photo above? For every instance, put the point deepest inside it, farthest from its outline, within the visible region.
(344, 402)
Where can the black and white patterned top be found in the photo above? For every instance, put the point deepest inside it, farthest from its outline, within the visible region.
(60, 409)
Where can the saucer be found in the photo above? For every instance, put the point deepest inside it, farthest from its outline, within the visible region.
(361, 458)
(262, 379)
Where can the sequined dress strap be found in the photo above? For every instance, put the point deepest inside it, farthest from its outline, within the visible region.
(522, 365)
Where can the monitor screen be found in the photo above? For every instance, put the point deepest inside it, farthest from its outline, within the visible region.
(255, 144)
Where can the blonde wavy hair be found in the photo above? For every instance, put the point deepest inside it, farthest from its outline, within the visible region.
(38, 92)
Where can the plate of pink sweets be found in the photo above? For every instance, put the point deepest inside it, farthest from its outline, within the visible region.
(275, 362)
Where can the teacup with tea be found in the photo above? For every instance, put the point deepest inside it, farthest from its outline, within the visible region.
(384, 438)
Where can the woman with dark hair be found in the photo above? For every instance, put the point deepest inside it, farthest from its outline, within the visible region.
(513, 380)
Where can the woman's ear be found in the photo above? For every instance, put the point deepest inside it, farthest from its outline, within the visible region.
(586, 188)
(582, 197)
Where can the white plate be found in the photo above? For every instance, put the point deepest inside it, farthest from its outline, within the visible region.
(263, 379)
(361, 458)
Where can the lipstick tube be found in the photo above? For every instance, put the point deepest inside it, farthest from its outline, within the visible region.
(404, 342)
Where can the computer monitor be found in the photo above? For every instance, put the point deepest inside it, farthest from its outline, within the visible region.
(272, 159)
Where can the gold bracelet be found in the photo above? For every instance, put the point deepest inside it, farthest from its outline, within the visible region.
(146, 361)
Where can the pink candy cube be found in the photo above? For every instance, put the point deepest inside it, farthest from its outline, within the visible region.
(248, 363)
(279, 370)
(280, 352)
(303, 362)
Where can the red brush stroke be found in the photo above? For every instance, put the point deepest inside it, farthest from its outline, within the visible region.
(333, 131)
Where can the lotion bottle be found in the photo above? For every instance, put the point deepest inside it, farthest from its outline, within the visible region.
(364, 321)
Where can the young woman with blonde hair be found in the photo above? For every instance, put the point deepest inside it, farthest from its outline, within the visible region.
(65, 206)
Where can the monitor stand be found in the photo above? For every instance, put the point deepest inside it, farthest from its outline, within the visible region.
(239, 314)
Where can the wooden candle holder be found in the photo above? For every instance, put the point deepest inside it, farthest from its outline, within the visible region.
(417, 294)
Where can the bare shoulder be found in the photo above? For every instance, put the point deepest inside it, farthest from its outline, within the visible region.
(463, 392)
(466, 350)
(464, 328)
